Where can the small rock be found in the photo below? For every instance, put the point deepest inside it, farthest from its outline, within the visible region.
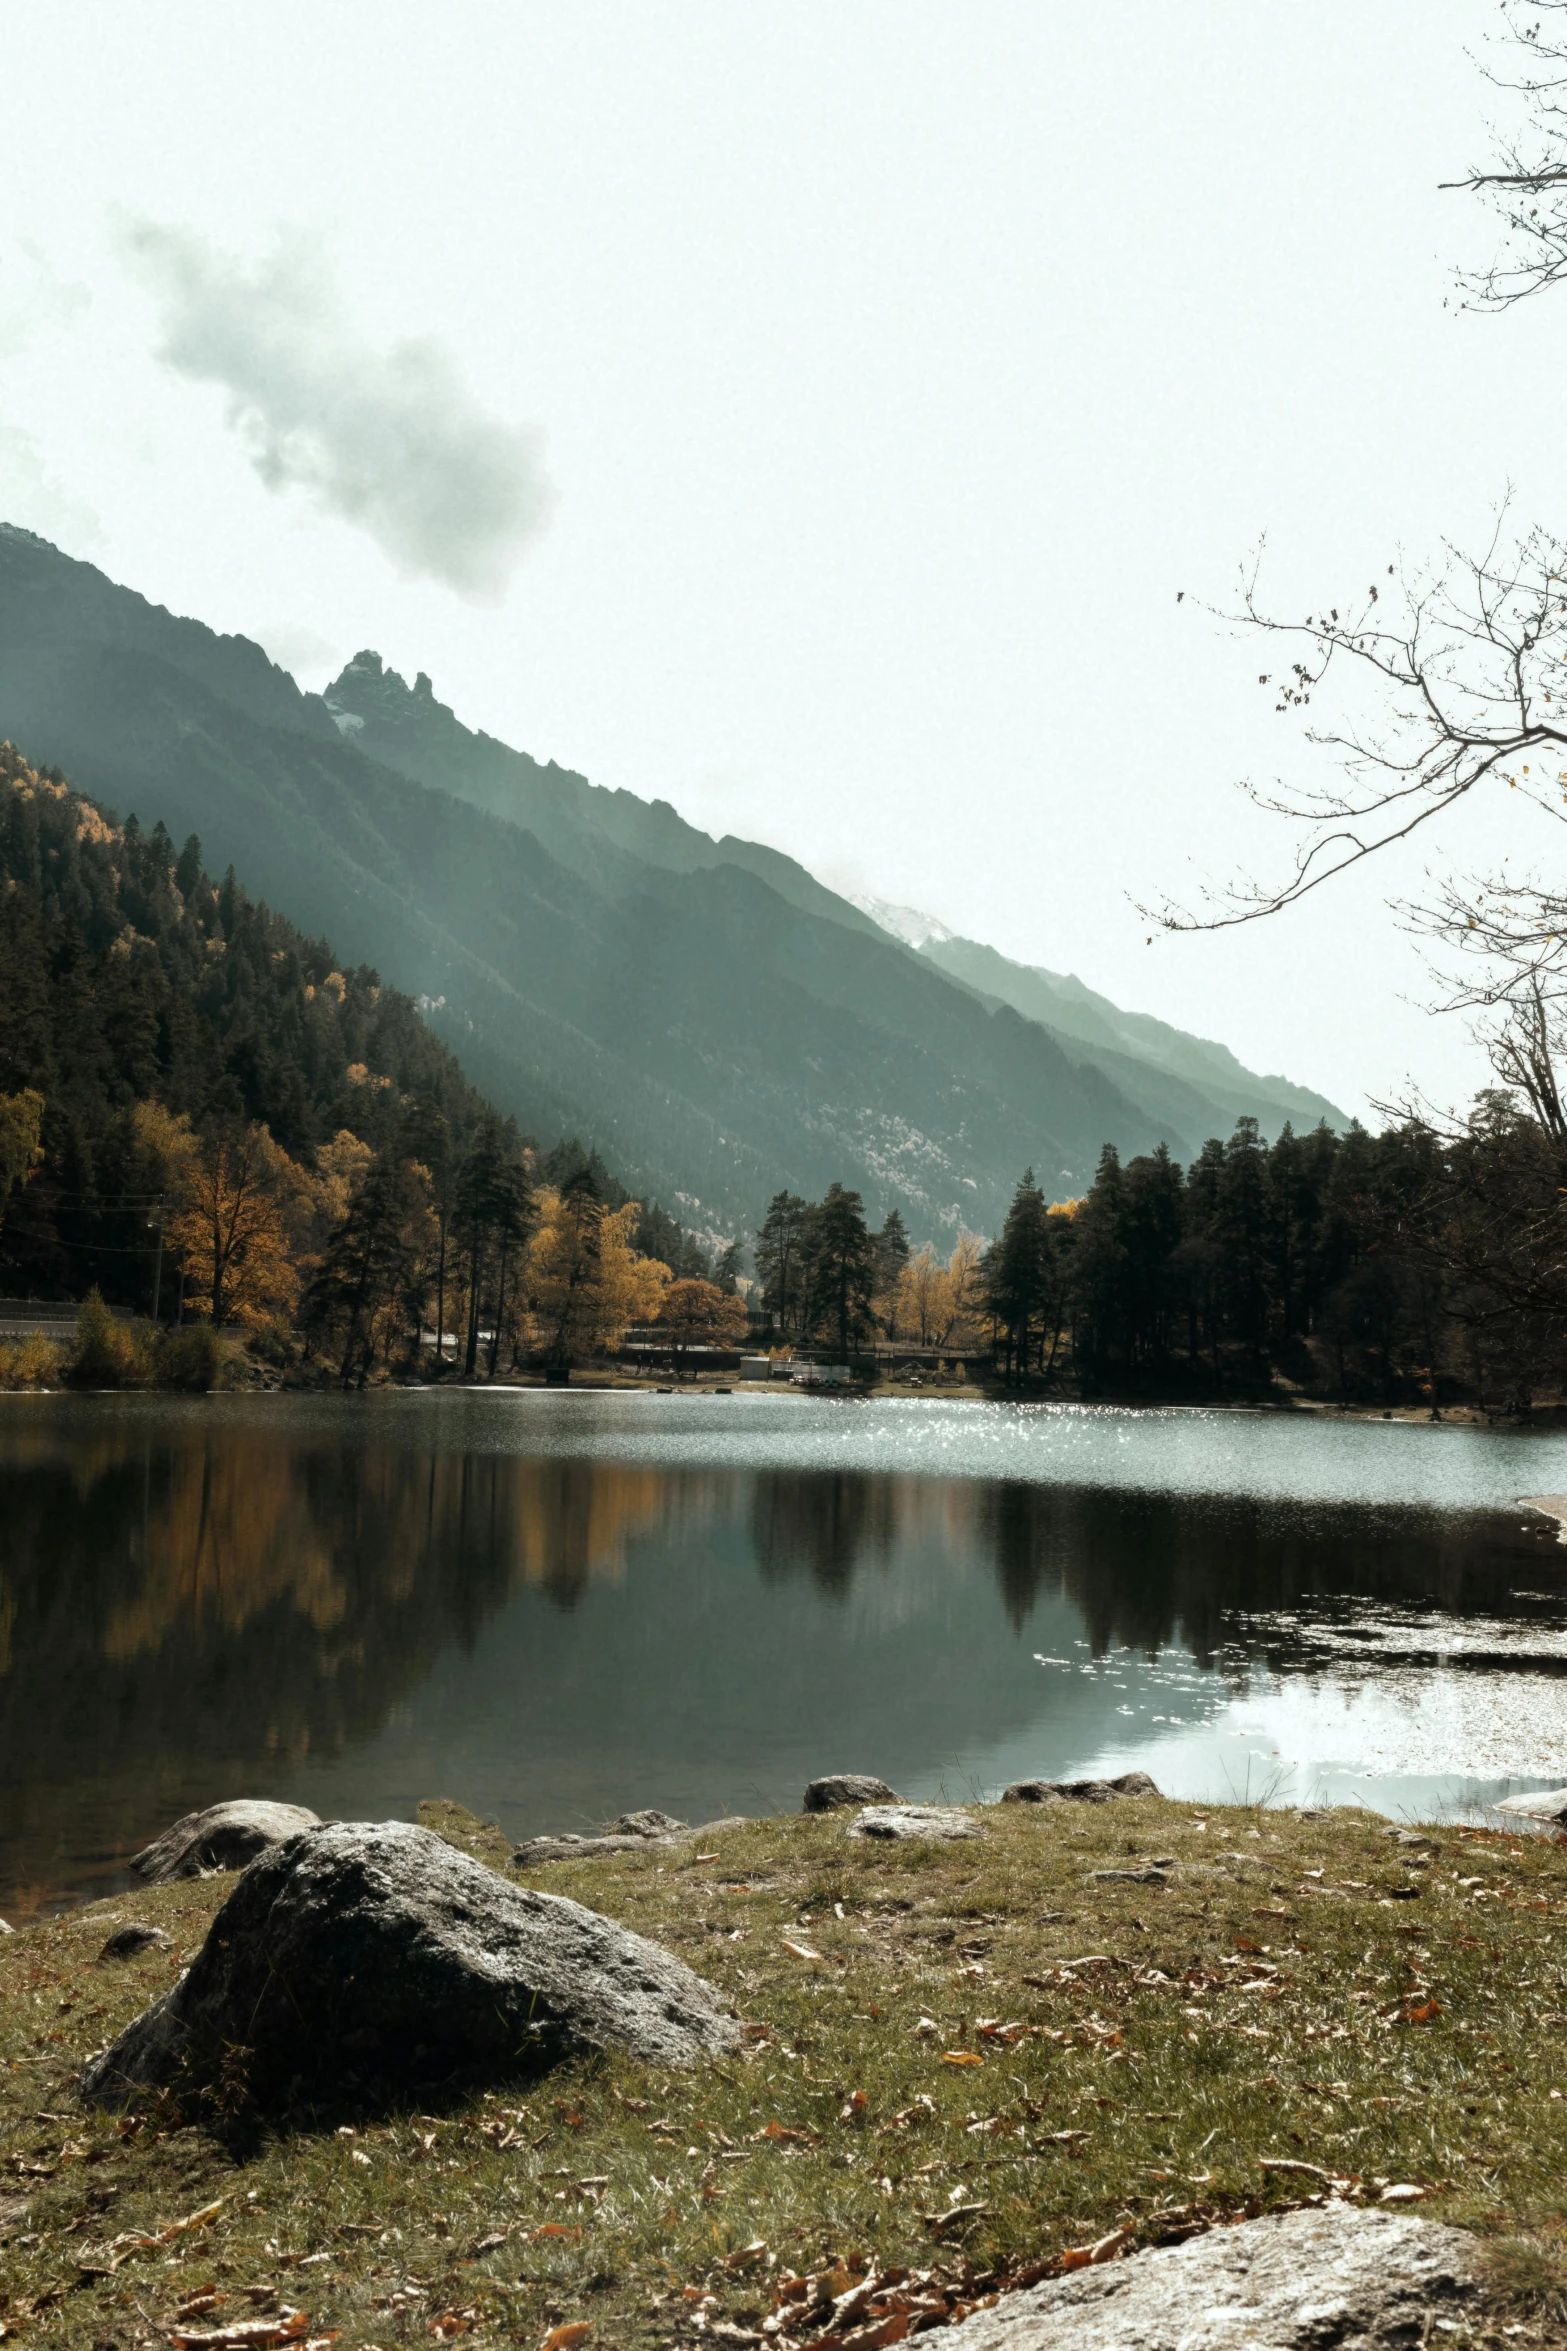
(844, 1788)
(1148, 1876)
(914, 1820)
(364, 1961)
(1130, 1783)
(1297, 2281)
(1546, 1804)
(572, 1848)
(125, 1942)
(648, 1824)
(225, 1836)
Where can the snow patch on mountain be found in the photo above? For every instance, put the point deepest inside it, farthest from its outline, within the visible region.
(904, 922)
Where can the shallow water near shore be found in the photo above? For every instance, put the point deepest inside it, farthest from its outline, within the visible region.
(554, 1607)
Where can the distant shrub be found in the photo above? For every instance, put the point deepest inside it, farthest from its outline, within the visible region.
(192, 1357)
(108, 1352)
(30, 1362)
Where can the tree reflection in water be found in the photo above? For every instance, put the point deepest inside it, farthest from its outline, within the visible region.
(194, 1606)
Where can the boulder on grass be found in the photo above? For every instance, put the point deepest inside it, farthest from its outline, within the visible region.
(903, 1822)
(650, 1823)
(362, 1962)
(1297, 2281)
(225, 1836)
(1130, 1783)
(847, 1787)
(129, 1942)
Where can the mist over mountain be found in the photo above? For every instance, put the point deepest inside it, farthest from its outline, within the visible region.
(714, 1020)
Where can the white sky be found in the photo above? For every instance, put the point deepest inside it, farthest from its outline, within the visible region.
(893, 365)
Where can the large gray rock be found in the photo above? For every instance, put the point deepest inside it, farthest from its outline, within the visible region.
(225, 1836)
(897, 1822)
(361, 1961)
(1301, 2281)
(841, 1788)
(1130, 1783)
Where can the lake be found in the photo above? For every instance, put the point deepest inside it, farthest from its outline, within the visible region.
(554, 1607)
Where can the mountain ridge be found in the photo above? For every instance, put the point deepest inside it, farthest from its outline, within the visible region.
(712, 1017)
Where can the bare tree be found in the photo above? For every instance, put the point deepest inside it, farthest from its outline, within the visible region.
(1434, 689)
(1527, 184)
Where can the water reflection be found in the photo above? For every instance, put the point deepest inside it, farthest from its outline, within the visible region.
(357, 1610)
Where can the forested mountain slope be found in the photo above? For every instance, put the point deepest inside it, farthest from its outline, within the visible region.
(718, 1029)
(128, 976)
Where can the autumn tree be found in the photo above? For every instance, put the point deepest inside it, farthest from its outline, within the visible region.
(233, 1227)
(21, 1123)
(699, 1314)
(586, 1282)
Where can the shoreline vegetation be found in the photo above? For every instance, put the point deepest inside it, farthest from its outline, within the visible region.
(254, 1167)
(1089, 2028)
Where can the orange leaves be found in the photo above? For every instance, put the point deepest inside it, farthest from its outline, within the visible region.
(556, 2228)
(562, 2338)
(786, 2132)
(1090, 2256)
(1419, 2012)
(961, 2057)
(854, 2107)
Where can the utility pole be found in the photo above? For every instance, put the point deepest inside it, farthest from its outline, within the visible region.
(155, 1224)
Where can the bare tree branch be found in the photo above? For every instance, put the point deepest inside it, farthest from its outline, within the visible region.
(1527, 184)
(1440, 685)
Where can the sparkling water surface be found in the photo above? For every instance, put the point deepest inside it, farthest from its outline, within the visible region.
(555, 1606)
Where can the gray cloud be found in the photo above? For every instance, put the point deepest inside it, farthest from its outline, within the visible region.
(392, 441)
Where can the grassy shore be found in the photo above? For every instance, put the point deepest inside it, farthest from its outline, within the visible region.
(968, 2062)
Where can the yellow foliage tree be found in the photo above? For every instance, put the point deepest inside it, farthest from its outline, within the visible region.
(21, 1122)
(585, 1282)
(233, 1227)
(699, 1314)
(936, 1301)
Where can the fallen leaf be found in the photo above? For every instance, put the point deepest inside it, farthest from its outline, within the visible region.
(556, 2228)
(800, 1950)
(561, 2338)
(1402, 2193)
(1423, 2013)
(961, 2057)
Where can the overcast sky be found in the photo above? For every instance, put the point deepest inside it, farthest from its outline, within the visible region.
(806, 413)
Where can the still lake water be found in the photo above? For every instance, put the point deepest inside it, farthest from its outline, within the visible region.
(554, 1607)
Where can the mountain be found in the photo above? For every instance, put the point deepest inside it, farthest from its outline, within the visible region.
(1176, 1075)
(708, 1015)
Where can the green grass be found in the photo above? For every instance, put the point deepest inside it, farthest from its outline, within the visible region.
(1247, 2010)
